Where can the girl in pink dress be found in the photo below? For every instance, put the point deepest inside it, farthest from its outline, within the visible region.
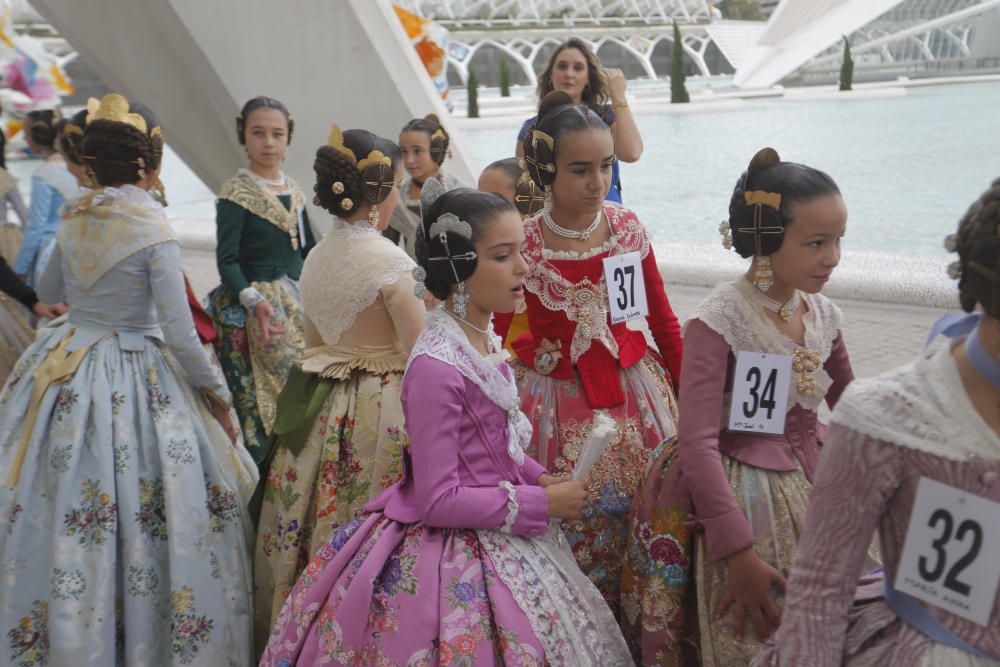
(708, 590)
(931, 426)
(456, 563)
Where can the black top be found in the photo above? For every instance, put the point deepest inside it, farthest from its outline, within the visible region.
(14, 286)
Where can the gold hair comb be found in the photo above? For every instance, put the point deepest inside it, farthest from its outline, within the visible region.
(336, 142)
(114, 107)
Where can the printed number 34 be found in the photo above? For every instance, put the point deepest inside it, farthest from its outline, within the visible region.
(761, 399)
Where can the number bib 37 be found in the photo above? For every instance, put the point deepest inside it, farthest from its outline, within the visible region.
(761, 383)
(950, 556)
(626, 287)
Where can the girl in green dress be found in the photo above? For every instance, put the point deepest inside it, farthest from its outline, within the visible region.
(263, 236)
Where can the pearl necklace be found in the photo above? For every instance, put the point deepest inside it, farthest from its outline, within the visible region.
(485, 332)
(786, 311)
(581, 235)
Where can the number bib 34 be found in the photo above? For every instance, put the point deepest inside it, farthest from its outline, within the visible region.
(950, 554)
(626, 287)
(761, 383)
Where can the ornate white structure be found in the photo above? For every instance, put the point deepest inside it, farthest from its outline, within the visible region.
(195, 63)
(885, 35)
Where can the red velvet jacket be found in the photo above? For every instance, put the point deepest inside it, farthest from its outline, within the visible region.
(560, 293)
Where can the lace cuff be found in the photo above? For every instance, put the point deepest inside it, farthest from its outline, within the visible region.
(512, 507)
(250, 297)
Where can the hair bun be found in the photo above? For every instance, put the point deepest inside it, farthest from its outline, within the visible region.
(556, 98)
(433, 117)
(764, 158)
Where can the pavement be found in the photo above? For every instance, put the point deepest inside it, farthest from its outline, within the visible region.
(879, 336)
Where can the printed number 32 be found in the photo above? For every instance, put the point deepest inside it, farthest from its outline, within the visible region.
(625, 299)
(761, 399)
(967, 527)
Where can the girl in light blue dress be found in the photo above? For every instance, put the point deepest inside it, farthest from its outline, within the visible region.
(122, 531)
(51, 186)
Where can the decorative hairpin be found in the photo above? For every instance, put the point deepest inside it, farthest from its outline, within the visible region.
(539, 137)
(429, 193)
(114, 107)
(336, 142)
(337, 188)
(449, 222)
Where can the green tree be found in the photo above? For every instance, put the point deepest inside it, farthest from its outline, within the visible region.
(847, 67)
(472, 90)
(678, 91)
(504, 79)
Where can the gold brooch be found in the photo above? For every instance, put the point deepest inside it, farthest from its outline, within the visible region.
(547, 356)
(805, 362)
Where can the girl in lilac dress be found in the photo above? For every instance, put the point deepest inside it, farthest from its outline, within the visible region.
(456, 563)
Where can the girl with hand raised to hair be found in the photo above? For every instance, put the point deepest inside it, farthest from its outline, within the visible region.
(263, 236)
(453, 565)
(576, 70)
(719, 586)
(579, 357)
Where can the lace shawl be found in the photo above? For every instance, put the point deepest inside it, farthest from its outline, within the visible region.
(344, 273)
(246, 191)
(585, 303)
(444, 340)
(923, 406)
(735, 311)
(105, 227)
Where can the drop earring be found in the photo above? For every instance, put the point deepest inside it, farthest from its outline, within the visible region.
(763, 275)
(373, 216)
(460, 302)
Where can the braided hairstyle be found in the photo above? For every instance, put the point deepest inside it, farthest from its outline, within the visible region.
(472, 206)
(439, 139)
(119, 153)
(795, 183)
(261, 102)
(978, 246)
(332, 167)
(71, 137)
(557, 115)
(42, 127)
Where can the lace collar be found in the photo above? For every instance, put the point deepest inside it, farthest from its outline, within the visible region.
(334, 291)
(923, 406)
(129, 192)
(585, 303)
(444, 340)
(734, 312)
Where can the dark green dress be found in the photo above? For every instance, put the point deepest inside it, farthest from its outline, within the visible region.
(258, 245)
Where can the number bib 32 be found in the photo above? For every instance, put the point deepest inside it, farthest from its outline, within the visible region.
(761, 383)
(950, 556)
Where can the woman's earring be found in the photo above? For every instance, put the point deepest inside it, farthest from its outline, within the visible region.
(460, 302)
(373, 215)
(548, 197)
(763, 275)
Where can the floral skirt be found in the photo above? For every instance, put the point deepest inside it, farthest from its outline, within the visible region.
(352, 453)
(562, 421)
(673, 587)
(122, 523)
(256, 372)
(382, 592)
(16, 334)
